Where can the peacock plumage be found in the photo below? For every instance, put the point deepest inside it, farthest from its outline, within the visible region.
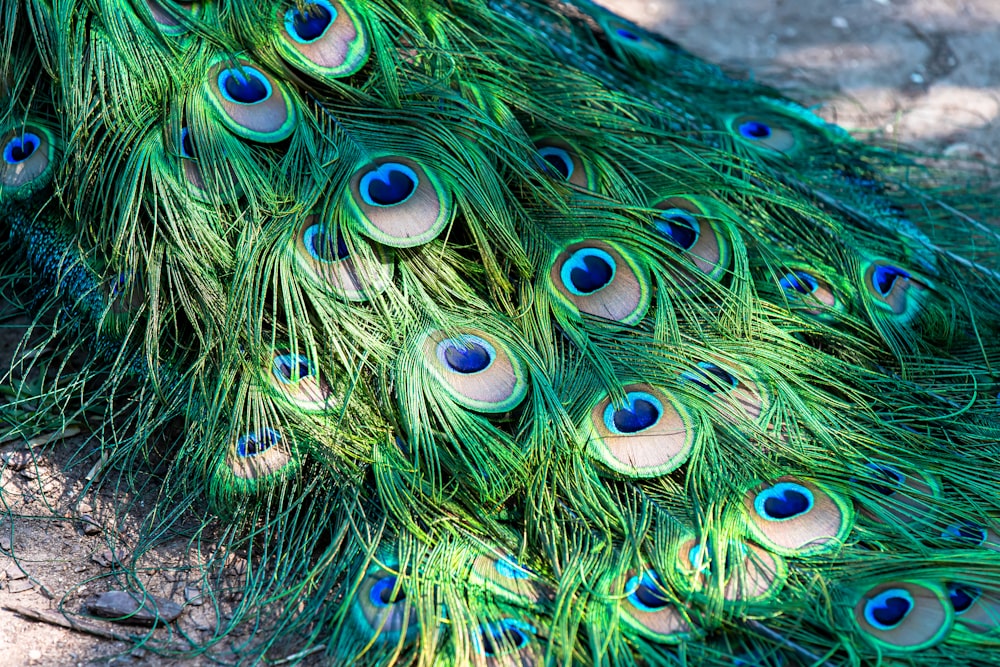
(504, 332)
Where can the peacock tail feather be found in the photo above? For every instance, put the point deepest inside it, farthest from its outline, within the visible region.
(506, 332)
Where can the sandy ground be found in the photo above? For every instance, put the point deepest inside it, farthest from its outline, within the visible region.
(924, 72)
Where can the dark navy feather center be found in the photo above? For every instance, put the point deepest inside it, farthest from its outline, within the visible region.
(680, 227)
(962, 597)
(384, 593)
(308, 25)
(388, 185)
(886, 277)
(799, 281)
(627, 34)
(252, 444)
(755, 130)
(244, 85)
(638, 416)
(591, 274)
(965, 533)
(468, 358)
(501, 637)
(187, 145)
(889, 611)
(783, 501)
(19, 149)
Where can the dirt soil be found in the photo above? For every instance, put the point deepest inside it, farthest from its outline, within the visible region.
(923, 72)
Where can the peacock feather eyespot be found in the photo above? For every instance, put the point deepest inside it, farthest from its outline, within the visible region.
(769, 132)
(963, 596)
(28, 160)
(505, 577)
(558, 160)
(648, 608)
(783, 501)
(798, 283)
(747, 572)
(690, 225)
(888, 609)
(600, 279)
(187, 144)
(647, 592)
(466, 354)
(257, 442)
(250, 102)
(641, 413)
(296, 379)
(476, 369)
(650, 435)
(563, 161)
(381, 610)
(292, 368)
(508, 568)
(386, 591)
(399, 203)
(965, 534)
(352, 273)
(323, 246)
(893, 289)
(794, 517)
(388, 184)
(324, 38)
(19, 149)
(167, 21)
(306, 24)
(893, 479)
(244, 85)
(710, 378)
(503, 637)
(905, 615)
(679, 226)
(588, 270)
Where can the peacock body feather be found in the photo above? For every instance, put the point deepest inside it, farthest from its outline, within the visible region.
(510, 333)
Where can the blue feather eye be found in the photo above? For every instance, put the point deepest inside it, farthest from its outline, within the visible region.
(257, 442)
(640, 414)
(680, 227)
(794, 517)
(466, 354)
(905, 615)
(650, 435)
(20, 148)
(710, 378)
(291, 368)
(588, 270)
(754, 130)
(399, 203)
(886, 278)
(477, 370)
(962, 597)
(252, 104)
(694, 226)
(28, 154)
(308, 24)
(965, 533)
(509, 568)
(647, 592)
(389, 184)
(187, 145)
(384, 592)
(559, 160)
(325, 38)
(323, 246)
(783, 501)
(563, 161)
(888, 609)
(798, 282)
(627, 34)
(244, 85)
(503, 637)
(887, 473)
